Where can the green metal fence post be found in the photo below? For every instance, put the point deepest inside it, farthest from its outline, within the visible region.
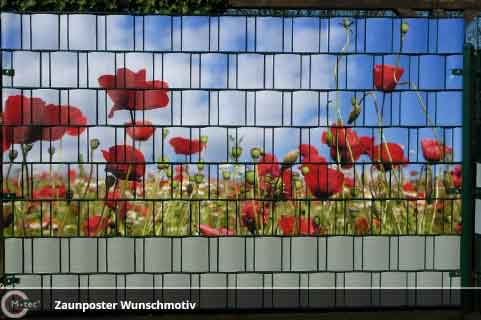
(467, 176)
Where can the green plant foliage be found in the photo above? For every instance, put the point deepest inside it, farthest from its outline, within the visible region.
(166, 7)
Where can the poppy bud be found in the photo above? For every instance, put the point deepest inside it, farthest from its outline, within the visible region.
(305, 170)
(51, 150)
(199, 178)
(13, 154)
(226, 175)
(204, 139)
(346, 23)
(404, 28)
(163, 163)
(250, 177)
(291, 158)
(27, 147)
(236, 152)
(200, 165)
(256, 153)
(110, 181)
(94, 144)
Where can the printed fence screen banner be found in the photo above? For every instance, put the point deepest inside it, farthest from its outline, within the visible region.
(321, 151)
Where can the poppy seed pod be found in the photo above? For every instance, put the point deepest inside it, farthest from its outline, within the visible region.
(404, 27)
(291, 158)
(256, 153)
(250, 177)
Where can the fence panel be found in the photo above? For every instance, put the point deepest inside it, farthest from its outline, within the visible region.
(232, 151)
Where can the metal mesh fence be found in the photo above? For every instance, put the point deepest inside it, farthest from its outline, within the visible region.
(324, 150)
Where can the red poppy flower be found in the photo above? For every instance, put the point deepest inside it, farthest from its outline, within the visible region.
(323, 182)
(72, 175)
(286, 223)
(49, 192)
(387, 76)
(287, 186)
(94, 225)
(361, 225)
(185, 146)
(388, 155)
(268, 164)
(307, 226)
(180, 173)
(457, 177)
(250, 209)
(367, 144)
(141, 130)
(307, 151)
(125, 162)
(347, 156)
(433, 150)
(207, 230)
(348, 182)
(340, 136)
(458, 228)
(28, 120)
(60, 117)
(409, 186)
(130, 91)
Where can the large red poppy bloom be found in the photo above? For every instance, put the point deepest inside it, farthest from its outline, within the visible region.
(434, 151)
(125, 162)
(268, 165)
(140, 130)
(207, 230)
(323, 181)
(347, 156)
(27, 120)
(307, 151)
(388, 155)
(340, 136)
(367, 144)
(130, 91)
(387, 76)
(185, 146)
(95, 225)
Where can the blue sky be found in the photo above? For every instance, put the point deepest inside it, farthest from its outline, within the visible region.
(286, 63)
